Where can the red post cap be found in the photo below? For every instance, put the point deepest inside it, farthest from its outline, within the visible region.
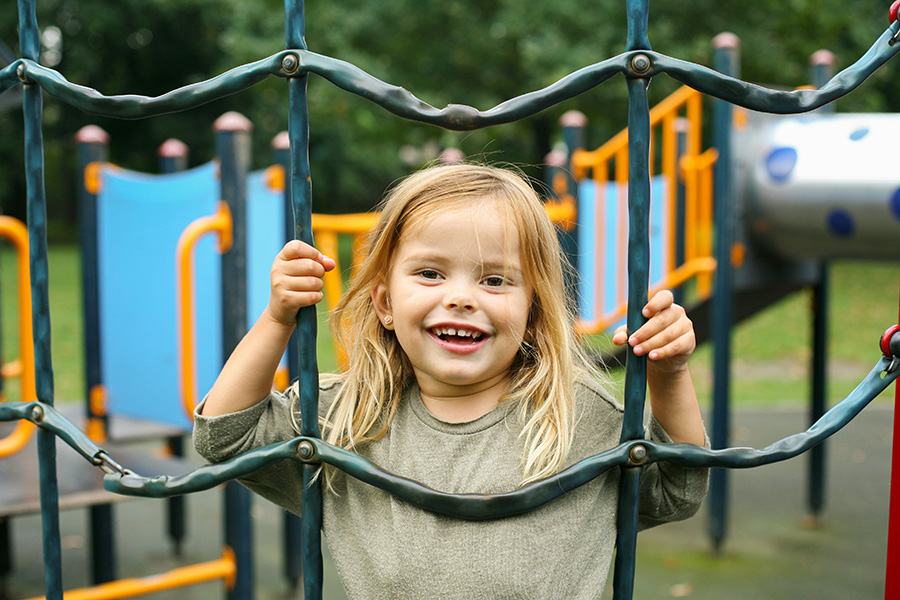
(892, 13)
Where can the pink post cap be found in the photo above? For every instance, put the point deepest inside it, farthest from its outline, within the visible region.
(173, 148)
(92, 134)
(451, 156)
(573, 118)
(726, 41)
(822, 58)
(232, 121)
(281, 141)
(556, 158)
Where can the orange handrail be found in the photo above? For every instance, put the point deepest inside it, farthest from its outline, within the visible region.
(221, 224)
(681, 112)
(224, 568)
(684, 273)
(16, 232)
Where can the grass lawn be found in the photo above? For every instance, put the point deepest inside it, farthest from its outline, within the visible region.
(771, 350)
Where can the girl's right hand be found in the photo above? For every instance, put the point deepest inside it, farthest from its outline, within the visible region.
(296, 280)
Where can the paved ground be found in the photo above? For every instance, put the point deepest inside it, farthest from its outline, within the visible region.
(770, 552)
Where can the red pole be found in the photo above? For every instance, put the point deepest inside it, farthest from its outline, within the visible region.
(892, 575)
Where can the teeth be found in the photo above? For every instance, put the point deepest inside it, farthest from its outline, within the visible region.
(441, 331)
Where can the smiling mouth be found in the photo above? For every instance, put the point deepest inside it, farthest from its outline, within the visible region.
(457, 336)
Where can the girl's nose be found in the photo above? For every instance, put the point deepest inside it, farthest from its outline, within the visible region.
(460, 298)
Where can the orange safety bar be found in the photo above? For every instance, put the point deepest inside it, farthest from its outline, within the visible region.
(692, 167)
(16, 232)
(224, 568)
(221, 224)
(684, 273)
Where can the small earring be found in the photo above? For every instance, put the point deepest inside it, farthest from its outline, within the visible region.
(388, 320)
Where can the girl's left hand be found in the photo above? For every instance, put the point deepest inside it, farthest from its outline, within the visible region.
(667, 338)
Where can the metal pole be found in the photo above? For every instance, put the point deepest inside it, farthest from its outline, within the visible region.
(725, 60)
(638, 283)
(892, 572)
(173, 157)
(308, 369)
(293, 525)
(29, 43)
(822, 67)
(233, 148)
(93, 149)
(574, 125)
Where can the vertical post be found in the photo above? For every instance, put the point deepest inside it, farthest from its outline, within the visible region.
(682, 127)
(574, 126)
(233, 148)
(301, 198)
(93, 150)
(892, 572)
(6, 563)
(293, 525)
(725, 60)
(33, 107)
(822, 68)
(173, 157)
(638, 284)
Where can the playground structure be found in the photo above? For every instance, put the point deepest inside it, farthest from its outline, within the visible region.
(637, 64)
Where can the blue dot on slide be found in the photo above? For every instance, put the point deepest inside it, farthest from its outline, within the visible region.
(859, 134)
(841, 223)
(781, 163)
(895, 204)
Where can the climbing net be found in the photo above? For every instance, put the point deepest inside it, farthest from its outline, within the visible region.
(638, 64)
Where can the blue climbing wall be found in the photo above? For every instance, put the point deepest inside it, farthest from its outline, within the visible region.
(140, 219)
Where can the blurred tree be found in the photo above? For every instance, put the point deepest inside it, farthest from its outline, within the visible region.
(464, 51)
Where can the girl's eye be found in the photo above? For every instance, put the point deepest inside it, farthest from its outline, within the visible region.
(494, 281)
(429, 274)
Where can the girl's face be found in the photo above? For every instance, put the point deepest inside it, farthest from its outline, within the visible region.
(458, 301)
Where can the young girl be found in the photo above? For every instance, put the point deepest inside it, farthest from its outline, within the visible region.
(464, 374)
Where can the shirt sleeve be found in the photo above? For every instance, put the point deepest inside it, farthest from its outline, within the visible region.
(669, 492)
(269, 421)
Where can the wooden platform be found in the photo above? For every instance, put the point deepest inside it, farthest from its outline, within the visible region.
(80, 483)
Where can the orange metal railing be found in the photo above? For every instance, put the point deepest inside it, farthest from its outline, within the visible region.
(224, 568)
(679, 114)
(16, 232)
(221, 224)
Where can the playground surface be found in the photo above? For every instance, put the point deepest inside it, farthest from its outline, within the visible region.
(771, 551)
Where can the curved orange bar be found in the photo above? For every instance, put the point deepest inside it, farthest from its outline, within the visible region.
(221, 224)
(224, 568)
(676, 278)
(16, 232)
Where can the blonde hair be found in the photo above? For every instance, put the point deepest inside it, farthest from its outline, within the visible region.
(542, 375)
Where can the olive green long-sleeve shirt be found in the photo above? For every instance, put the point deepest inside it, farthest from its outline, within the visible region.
(386, 548)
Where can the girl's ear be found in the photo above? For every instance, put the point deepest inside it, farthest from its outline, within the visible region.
(381, 300)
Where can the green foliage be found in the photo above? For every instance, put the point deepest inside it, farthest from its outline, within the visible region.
(462, 51)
